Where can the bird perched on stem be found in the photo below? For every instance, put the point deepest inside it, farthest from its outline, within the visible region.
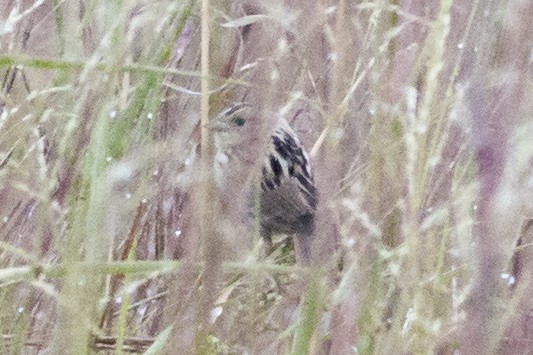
(287, 197)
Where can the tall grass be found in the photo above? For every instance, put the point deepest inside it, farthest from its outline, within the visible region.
(116, 236)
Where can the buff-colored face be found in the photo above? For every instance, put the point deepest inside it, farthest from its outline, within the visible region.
(233, 118)
(229, 125)
(233, 138)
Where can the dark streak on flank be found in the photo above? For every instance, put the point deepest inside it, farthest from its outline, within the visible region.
(276, 169)
(308, 189)
(267, 185)
(291, 169)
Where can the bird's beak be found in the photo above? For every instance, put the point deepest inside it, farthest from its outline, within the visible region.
(216, 125)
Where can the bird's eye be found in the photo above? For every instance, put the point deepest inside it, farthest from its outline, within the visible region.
(239, 120)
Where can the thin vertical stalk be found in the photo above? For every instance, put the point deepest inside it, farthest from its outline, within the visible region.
(204, 100)
(207, 207)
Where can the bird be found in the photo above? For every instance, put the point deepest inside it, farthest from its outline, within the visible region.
(284, 181)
